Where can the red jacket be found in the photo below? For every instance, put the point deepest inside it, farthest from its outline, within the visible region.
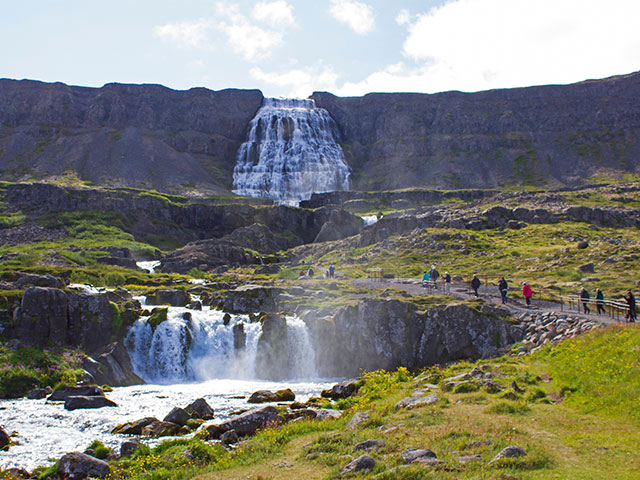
(526, 291)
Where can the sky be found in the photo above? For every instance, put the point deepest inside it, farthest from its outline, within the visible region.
(292, 48)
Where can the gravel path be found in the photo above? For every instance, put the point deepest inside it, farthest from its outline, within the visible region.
(490, 294)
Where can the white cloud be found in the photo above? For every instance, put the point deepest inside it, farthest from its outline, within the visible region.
(403, 17)
(277, 13)
(250, 40)
(473, 45)
(299, 83)
(184, 34)
(358, 16)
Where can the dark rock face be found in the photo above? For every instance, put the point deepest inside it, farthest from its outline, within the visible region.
(135, 135)
(74, 403)
(112, 366)
(272, 359)
(5, 439)
(77, 466)
(379, 334)
(454, 140)
(52, 315)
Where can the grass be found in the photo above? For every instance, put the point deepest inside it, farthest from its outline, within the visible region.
(584, 437)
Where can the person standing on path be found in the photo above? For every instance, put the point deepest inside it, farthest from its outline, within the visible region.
(332, 271)
(600, 301)
(503, 286)
(527, 293)
(584, 298)
(426, 279)
(475, 284)
(631, 302)
(447, 283)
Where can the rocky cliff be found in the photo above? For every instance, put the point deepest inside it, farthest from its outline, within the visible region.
(145, 136)
(154, 137)
(545, 135)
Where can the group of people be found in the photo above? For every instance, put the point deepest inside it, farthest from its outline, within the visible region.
(431, 277)
(585, 299)
(330, 273)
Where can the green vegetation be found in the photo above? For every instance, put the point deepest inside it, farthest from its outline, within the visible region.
(573, 422)
(25, 368)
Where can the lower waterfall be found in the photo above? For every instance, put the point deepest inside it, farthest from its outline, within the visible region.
(200, 345)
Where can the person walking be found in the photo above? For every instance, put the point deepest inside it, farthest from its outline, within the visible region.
(434, 275)
(332, 271)
(600, 301)
(631, 302)
(503, 286)
(475, 284)
(527, 293)
(584, 298)
(447, 283)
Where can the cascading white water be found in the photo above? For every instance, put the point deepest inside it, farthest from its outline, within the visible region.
(291, 152)
(204, 347)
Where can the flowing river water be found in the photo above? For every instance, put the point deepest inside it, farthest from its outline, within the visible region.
(193, 354)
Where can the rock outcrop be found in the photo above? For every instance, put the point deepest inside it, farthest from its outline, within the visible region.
(377, 334)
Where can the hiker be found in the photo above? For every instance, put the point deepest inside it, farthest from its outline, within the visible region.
(475, 284)
(584, 298)
(503, 286)
(310, 273)
(434, 275)
(631, 302)
(447, 283)
(600, 301)
(332, 271)
(527, 293)
(426, 278)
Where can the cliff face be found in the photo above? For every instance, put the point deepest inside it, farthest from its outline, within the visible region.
(136, 135)
(524, 136)
(150, 136)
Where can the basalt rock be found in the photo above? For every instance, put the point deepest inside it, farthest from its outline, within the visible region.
(386, 334)
(77, 466)
(77, 402)
(245, 424)
(112, 366)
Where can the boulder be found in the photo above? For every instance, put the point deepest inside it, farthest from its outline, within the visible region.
(327, 414)
(38, 393)
(75, 403)
(246, 423)
(163, 429)
(262, 396)
(285, 395)
(199, 408)
(5, 439)
(341, 390)
(229, 437)
(587, 268)
(177, 415)
(416, 401)
(135, 427)
(128, 447)
(357, 419)
(85, 391)
(368, 445)
(509, 452)
(77, 466)
(416, 454)
(363, 462)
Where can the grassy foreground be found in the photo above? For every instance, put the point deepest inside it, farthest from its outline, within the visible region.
(573, 409)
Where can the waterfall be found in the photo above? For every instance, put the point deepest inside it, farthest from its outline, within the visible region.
(202, 345)
(291, 152)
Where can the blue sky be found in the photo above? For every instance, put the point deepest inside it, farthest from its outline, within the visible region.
(295, 47)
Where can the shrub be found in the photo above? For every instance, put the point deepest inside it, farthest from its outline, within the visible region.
(509, 408)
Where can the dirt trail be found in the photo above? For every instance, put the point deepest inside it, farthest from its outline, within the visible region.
(490, 294)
